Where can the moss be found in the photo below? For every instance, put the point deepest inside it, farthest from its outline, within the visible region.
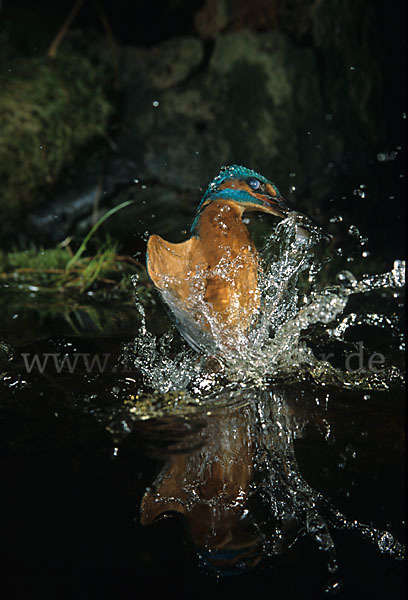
(48, 110)
(96, 289)
(53, 258)
(51, 270)
(64, 276)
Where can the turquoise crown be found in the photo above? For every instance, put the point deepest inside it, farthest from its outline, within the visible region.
(232, 172)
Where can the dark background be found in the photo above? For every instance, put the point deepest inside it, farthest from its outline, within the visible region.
(344, 65)
(68, 507)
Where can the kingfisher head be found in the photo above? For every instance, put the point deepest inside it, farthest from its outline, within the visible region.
(248, 189)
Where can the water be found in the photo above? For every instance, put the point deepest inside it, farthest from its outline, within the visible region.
(247, 422)
(276, 460)
(291, 309)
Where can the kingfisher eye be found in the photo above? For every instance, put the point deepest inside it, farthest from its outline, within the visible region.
(254, 183)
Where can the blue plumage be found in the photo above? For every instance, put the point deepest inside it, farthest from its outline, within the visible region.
(209, 282)
(232, 172)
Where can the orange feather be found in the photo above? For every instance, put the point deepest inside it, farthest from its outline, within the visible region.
(212, 278)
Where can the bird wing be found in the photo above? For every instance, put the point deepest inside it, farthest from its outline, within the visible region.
(172, 268)
(168, 264)
(205, 300)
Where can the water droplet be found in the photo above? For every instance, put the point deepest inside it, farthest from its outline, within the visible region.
(155, 103)
(386, 542)
(359, 192)
(345, 277)
(385, 156)
(332, 587)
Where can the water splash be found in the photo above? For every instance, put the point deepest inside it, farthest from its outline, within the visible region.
(300, 317)
(292, 304)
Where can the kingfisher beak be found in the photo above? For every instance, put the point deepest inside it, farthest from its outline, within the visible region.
(276, 204)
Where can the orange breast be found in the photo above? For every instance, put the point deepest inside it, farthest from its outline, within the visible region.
(212, 277)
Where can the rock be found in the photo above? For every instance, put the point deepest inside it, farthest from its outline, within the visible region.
(190, 106)
(254, 104)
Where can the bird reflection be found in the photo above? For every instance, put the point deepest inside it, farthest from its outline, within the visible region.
(232, 475)
(244, 461)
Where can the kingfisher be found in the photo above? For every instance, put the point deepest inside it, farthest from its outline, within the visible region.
(210, 282)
